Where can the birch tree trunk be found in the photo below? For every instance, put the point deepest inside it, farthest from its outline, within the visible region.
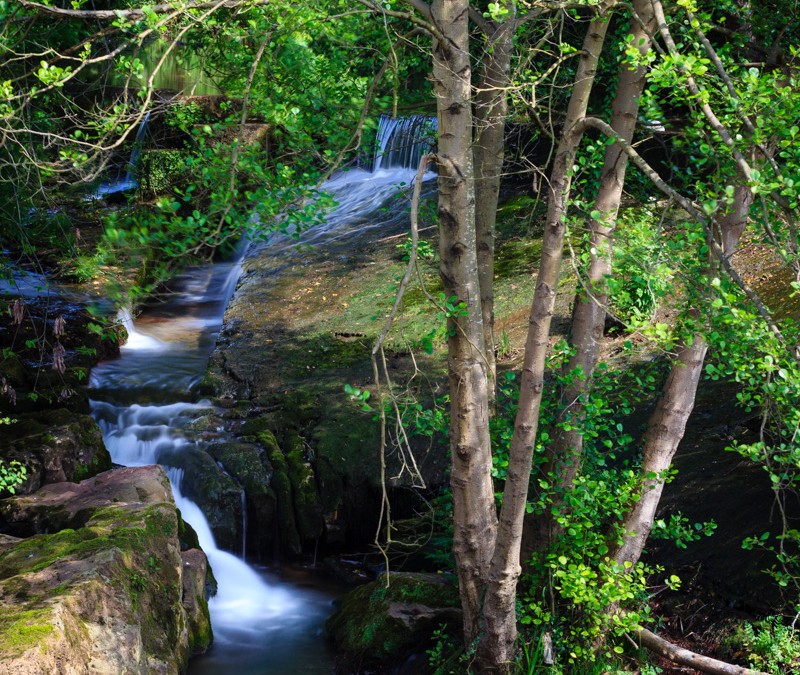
(474, 514)
(496, 649)
(667, 424)
(491, 109)
(591, 301)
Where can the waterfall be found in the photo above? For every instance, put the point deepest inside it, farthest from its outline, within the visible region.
(143, 404)
(402, 141)
(365, 197)
(130, 176)
(130, 180)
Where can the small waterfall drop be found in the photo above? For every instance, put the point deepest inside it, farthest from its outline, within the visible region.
(131, 179)
(364, 196)
(402, 141)
(136, 152)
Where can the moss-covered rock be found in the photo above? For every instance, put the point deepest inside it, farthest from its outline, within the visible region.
(57, 445)
(249, 465)
(378, 625)
(107, 595)
(307, 506)
(282, 485)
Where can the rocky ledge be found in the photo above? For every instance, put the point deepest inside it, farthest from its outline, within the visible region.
(107, 579)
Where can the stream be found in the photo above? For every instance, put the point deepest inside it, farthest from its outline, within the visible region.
(263, 622)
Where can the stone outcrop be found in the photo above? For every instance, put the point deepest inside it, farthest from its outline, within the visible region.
(102, 586)
(56, 445)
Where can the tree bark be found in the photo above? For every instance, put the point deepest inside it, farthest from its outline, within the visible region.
(665, 430)
(591, 300)
(474, 514)
(496, 649)
(491, 109)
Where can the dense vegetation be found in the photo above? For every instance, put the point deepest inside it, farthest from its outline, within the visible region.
(547, 472)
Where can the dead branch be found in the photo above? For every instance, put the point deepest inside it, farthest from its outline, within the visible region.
(684, 657)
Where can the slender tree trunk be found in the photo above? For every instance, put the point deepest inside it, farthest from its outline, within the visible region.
(665, 430)
(474, 514)
(497, 645)
(491, 109)
(591, 301)
(667, 424)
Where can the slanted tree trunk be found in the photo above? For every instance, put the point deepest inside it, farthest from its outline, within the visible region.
(665, 429)
(491, 109)
(668, 421)
(497, 645)
(591, 301)
(667, 424)
(474, 514)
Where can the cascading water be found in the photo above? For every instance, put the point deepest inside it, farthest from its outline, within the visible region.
(401, 141)
(140, 402)
(136, 152)
(131, 180)
(361, 194)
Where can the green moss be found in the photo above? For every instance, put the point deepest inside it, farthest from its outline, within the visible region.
(20, 631)
(186, 535)
(308, 510)
(200, 633)
(364, 629)
(282, 487)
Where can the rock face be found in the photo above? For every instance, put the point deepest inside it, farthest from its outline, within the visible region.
(103, 585)
(281, 361)
(56, 445)
(378, 626)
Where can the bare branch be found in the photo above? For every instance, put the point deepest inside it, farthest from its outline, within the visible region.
(684, 657)
(133, 12)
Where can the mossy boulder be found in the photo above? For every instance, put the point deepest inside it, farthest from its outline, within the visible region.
(379, 625)
(307, 506)
(282, 486)
(109, 594)
(55, 446)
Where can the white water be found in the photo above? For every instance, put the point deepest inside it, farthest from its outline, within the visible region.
(248, 607)
(143, 403)
(130, 181)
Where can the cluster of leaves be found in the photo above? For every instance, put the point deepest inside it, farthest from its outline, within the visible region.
(12, 474)
(772, 646)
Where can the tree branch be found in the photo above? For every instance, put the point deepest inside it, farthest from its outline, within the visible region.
(708, 224)
(684, 657)
(132, 12)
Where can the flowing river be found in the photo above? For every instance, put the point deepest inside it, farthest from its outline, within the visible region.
(263, 623)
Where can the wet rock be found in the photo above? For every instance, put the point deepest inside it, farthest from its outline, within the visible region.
(57, 445)
(307, 505)
(217, 494)
(108, 594)
(377, 626)
(282, 485)
(248, 464)
(195, 572)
